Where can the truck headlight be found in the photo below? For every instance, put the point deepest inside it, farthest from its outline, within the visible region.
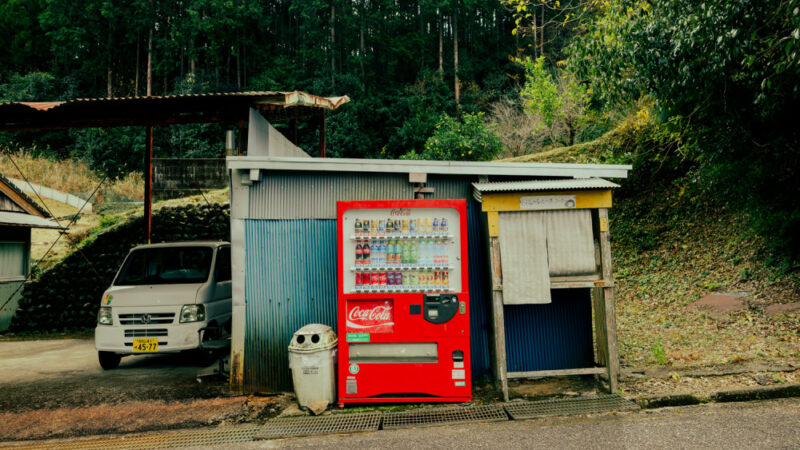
(104, 316)
(193, 313)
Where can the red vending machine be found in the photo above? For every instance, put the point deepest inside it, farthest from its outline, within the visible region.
(403, 301)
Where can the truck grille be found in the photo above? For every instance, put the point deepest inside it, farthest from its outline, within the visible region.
(146, 332)
(146, 318)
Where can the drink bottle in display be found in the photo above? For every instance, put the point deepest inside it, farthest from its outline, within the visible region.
(357, 227)
(358, 280)
(429, 277)
(404, 227)
(406, 279)
(373, 226)
(443, 225)
(412, 279)
(359, 253)
(412, 226)
(365, 253)
(381, 227)
(437, 278)
(446, 279)
(382, 278)
(412, 252)
(406, 253)
(428, 225)
(435, 225)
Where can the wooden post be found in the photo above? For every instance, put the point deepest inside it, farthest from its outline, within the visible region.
(322, 135)
(148, 182)
(500, 364)
(608, 301)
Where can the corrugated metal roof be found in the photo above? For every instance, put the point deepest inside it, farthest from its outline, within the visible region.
(275, 98)
(16, 219)
(163, 110)
(488, 168)
(545, 185)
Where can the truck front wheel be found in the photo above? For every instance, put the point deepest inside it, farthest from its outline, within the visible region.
(108, 360)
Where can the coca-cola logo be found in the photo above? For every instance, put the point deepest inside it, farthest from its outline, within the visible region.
(370, 316)
(376, 314)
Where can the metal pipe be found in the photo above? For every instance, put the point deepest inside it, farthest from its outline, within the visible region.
(148, 182)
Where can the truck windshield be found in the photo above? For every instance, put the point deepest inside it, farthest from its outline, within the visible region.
(166, 265)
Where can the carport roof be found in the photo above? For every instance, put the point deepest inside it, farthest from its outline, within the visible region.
(163, 110)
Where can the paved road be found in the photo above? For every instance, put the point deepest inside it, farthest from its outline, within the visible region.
(64, 372)
(768, 424)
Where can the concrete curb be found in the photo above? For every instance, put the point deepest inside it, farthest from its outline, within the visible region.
(733, 395)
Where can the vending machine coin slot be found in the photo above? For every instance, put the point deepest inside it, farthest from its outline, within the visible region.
(440, 308)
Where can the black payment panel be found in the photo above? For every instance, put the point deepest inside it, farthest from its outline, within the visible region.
(439, 308)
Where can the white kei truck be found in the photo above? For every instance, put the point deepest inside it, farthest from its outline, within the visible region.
(167, 298)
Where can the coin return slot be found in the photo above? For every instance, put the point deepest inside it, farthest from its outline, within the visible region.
(405, 352)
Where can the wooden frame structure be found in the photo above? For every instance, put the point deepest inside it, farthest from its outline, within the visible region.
(601, 283)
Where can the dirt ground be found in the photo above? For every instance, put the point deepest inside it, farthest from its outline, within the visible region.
(53, 388)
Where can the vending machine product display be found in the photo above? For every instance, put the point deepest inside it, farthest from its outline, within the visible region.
(403, 308)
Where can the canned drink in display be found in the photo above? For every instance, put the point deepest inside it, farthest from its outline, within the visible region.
(358, 280)
(435, 228)
(404, 226)
(406, 280)
(357, 227)
(382, 278)
(412, 226)
(428, 225)
(373, 226)
(374, 279)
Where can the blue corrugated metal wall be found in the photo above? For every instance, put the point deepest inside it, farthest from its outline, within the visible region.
(290, 281)
(553, 336)
(479, 299)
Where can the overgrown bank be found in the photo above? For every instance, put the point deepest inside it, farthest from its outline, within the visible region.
(66, 296)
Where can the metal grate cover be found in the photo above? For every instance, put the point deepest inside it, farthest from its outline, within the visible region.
(443, 416)
(565, 407)
(308, 425)
(199, 438)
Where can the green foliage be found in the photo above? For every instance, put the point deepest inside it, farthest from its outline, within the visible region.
(723, 77)
(464, 138)
(560, 105)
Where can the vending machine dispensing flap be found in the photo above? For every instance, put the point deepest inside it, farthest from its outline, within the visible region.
(440, 308)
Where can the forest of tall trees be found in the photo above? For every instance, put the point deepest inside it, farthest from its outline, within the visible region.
(402, 62)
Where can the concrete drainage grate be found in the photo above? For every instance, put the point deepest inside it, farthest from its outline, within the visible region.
(308, 425)
(565, 407)
(443, 416)
(199, 438)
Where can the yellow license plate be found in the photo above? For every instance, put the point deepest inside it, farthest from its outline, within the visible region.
(145, 345)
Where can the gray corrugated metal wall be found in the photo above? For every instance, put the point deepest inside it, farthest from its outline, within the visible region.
(290, 281)
(313, 195)
(554, 336)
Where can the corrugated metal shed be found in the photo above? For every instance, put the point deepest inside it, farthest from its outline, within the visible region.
(16, 219)
(286, 214)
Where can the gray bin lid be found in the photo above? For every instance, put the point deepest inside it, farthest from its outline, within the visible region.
(313, 337)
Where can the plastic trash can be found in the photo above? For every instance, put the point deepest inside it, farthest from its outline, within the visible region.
(312, 359)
